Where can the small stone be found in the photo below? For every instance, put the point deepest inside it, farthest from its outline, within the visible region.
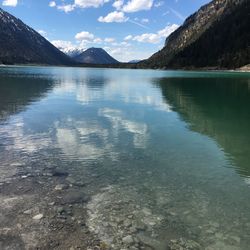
(236, 239)
(146, 211)
(48, 174)
(140, 226)
(60, 173)
(172, 213)
(71, 180)
(210, 231)
(151, 223)
(16, 164)
(104, 246)
(186, 212)
(60, 210)
(128, 239)
(149, 241)
(133, 230)
(127, 223)
(38, 217)
(61, 187)
(27, 212)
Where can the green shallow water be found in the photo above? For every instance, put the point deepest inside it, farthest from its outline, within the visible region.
(171, 149)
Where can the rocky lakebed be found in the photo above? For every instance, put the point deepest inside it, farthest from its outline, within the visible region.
(43, 206)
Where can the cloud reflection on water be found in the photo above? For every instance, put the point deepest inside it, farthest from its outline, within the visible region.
(87, 136)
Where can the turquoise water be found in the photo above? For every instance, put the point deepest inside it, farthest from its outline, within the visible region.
(170, 149)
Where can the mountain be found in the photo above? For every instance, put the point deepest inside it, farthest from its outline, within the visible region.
(71, 51)
(216, 36)
(20, 44)
(95, 56)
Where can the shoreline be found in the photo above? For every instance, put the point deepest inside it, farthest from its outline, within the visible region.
(244, 69)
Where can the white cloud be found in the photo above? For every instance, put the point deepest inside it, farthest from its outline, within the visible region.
(97, 40)
(130, 53)
(68, 141)
(12, 3)
(137, 130)
(52, 4)
(68, 47)
(84, 40)
(156, 37)
(129, 37)
(60, 44)
(66, 8)
(148, 38)
(109, 40)
(89, 3)
(125, 51)
(79, 4)
(42, 32)
(118, 4)
(84, 36)
(125, 44)
(168, 30)
(115, 16)
(138, 5)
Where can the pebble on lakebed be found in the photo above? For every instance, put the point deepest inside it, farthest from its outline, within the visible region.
(38, 217)
(60, 187)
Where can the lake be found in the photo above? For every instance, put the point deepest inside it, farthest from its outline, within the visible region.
(124, 159)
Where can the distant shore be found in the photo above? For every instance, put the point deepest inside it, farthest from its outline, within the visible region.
(244, 69)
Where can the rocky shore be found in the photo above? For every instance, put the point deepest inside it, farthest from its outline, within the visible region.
(43, 206)
(47, 208)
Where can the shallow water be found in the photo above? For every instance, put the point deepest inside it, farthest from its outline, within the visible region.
(169, 151)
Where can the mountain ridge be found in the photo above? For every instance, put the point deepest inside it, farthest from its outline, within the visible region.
(208, 39)
(20, 44)
(72, 52)
(95, 56)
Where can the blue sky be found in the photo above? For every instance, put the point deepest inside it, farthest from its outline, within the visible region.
(127, 29)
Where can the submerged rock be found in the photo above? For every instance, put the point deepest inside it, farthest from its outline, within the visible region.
(61, 187)
(60, 173)
(27, 212)
(148, 241)
(38, 217)
(75, 182)
(184, 244)
(128, 239)
(60, 210)
(73, 197)
(221, 245)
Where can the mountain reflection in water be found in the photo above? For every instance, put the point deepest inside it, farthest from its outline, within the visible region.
(217, 107)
